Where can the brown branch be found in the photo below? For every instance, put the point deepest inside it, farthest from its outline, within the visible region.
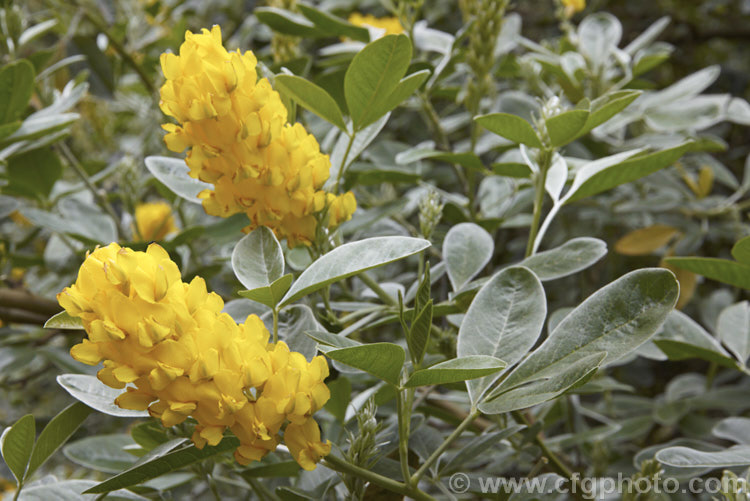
(21, 300)
(10, 315)
(480, 424)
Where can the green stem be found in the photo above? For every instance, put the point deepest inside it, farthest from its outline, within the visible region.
(377, 289)
(433, 120)
(404, 418)
(275, 324)
(711, 374)
(101, 199)
(338, 464)
(539, 182)
(342, 167)
(561, 467)
(18, 491)
(261, 490)
(448, 441)
(120, 49)
(214, 488)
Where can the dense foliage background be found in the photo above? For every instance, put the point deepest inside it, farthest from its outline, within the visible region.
(82, 150)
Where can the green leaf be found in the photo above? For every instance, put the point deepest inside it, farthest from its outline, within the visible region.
(333, 25)
(350, 259)
(546, 388)
(741, 251)
(733, 329)
(510, 127)
(684, 457)
(464, 159)
(95, 394)
(341, 395)
(9, 128)
(105, 453)
(602, 175)
(504, 321)
(569, 258)
(257, 259)
(294, 322)
(56, 433)
(606, 107)
(16, 87)
(35, 31)
(598, 36)
(335, 340)
(419, 333)
(163, 464)
(175, 175)
(564, 128)
(272, 470)
(362, 140)
(721, 270)
(288, 23)
(736, 429)
(70, 490)
(34, 173)
(311, 97)
(467, 249)
(64, 321)
(422, 295)
(269, 295)
(476, 447)
(149, 434)
(373, 76)
(16, 443)
(404, 89)
(511, 169)
(90, 223)
(382, 360)
(40, 124)
(456, 370)
(682, 338)
(557, 176)
(616, 320)
(651, 57)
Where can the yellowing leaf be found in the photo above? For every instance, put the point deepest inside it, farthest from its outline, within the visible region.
(687, 280)
(705, 181)
(645, 240)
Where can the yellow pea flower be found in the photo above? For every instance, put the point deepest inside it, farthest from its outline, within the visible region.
(168, 344)
(154, 221)
(340, 208)
(391, 25)
(304, 443)
(235, 128)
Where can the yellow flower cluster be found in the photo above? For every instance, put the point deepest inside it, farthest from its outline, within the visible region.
(236, 129)
(391, 25)
(154, 221)
(179, 355)
(573, 6)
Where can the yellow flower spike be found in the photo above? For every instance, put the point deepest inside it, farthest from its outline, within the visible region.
(154, 221)
(391, 25)
(168, 344)
(234, 128)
